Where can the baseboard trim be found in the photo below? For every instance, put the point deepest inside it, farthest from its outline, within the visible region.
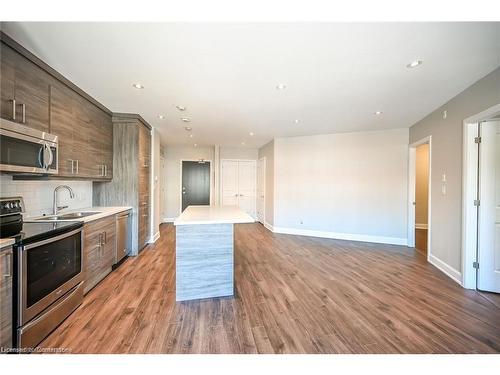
(446, 269)
(169, 219)
(154, 238)
(342, 236)
(421, 226)
(268, 226)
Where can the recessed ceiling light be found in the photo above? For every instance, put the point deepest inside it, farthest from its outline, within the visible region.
(243, 143)
(188, 128)
(296, 121)
(180, 107)
(414, 64)
(377, 113)
(280, 86)
(161, 117)
(137, 85)
(190, 135)
(185, 119)
(251, 134)
(195, 145)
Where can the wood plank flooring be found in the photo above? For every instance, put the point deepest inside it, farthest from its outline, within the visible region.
(293, 295)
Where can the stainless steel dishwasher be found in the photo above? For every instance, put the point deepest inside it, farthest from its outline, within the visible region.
(122, 235)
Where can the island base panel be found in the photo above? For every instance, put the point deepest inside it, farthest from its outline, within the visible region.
(204, 261)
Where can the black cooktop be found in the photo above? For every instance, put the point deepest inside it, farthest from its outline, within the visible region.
(34, 232)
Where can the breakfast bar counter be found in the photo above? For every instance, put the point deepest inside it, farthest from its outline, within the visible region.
(205, 251)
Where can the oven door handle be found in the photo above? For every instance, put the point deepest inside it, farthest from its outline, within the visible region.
(47, 154)
(53, 239)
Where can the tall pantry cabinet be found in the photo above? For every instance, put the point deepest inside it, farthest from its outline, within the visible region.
(131, 176)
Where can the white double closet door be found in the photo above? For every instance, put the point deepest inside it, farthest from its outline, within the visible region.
(238, 184)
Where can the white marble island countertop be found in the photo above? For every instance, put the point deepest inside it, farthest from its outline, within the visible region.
(100, 212)
(213, 215)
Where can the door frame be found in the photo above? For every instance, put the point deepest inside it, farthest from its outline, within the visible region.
(412, 159)
(264, 159)
(469, 193)
(211, 180)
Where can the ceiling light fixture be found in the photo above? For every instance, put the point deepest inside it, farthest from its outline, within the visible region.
(280, 86)
(296, 121)
(251, 134)
(188, 128)
(185, 119)
(377, 113)
(180, 107)
(161, 117)
(195, 145)
(190, 135)
(137, 86)
(243, 143)
(414, 64)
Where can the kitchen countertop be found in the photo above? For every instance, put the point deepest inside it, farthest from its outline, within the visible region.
(213, 215)
(5, 242)
(103, 212)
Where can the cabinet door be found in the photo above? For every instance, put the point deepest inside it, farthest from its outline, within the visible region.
(63, 124)
(144, 184)
(32, 86)
(108, 251)
(99, 248)
(6, 281)
(7, 82)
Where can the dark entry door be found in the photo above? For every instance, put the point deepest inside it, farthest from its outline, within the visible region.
(195, 183)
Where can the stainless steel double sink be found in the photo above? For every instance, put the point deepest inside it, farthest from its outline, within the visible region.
(68, 216)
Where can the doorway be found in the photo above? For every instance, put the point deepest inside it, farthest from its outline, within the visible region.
(195, 183)
(481, 201)
(419, 196)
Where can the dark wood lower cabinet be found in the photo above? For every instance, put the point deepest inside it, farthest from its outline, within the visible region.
(99, 250)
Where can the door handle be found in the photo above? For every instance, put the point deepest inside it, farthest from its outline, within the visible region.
(13, 109)
(77, 166)
(23, 106)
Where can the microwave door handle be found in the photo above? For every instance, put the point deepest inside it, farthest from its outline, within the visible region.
(49, 155)
(41, 156)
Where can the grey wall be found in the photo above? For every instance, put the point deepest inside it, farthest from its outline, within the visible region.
(267, 151)
(173, 157)
(447, 143)
(349, 185)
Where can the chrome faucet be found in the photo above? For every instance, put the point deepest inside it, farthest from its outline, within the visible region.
(55, 207)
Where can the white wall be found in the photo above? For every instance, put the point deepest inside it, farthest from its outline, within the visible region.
(155, 185)
(38, 195)
(238, 153)
(351, 185)
(173, 157)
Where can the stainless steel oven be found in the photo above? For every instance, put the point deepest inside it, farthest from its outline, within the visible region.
(27, 150)
(49, 284)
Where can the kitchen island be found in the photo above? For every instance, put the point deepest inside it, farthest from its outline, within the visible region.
(204, 258)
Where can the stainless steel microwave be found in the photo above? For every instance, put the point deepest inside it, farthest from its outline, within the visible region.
(26, 150)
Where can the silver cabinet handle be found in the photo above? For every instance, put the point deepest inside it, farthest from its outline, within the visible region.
(105, 170)
(13, 109)
(72, 166)
(8, 265)
(23, 106)
(105, 238)
(77, 166)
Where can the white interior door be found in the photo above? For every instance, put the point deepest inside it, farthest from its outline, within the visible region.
(229, 182)
(261, 189)
(489, 209)
(246, 186)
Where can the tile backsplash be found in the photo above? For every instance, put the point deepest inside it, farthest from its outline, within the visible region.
(38, 195)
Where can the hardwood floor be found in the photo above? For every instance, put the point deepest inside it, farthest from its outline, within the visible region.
(293, 295)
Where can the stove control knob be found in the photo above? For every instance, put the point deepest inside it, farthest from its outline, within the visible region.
(10, 205)
(15, 205)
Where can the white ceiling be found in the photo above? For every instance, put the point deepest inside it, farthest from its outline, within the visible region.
(337, 74)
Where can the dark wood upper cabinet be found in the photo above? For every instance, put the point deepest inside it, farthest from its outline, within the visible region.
(25, 90)
(35, 95)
